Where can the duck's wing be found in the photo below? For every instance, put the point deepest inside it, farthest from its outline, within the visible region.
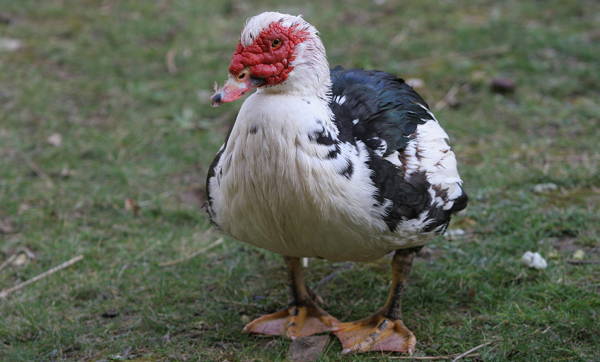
(410, 158)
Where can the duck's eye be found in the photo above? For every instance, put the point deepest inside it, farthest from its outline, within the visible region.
(241, 76)
(276, 43)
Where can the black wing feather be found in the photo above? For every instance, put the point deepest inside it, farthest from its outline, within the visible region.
(388, 111)
(386, 107)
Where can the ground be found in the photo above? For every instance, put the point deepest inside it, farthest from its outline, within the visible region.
(105, 101)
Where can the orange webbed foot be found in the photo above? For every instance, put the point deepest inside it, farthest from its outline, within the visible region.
(295, 321)
(376, 333)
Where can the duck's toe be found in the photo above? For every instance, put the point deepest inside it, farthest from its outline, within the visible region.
(376, 333)
(295, 321)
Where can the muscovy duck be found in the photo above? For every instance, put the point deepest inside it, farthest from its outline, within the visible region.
(341, 165)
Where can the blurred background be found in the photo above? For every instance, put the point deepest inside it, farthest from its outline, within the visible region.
(106, 135)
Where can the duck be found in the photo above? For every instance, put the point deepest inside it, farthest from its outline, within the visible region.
(336, 164)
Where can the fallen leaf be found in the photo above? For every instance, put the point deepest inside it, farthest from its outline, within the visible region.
(307, 348)
(478, 77)
(7, 227)
(132, 206)
(24, 207)
(194, 197)
(503, 85)
(244, 318)
(5, 19)
(579, 254)
(20, 260)
(66, 172)
(110, 314)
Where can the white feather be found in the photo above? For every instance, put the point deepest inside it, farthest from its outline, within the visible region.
(279, 192)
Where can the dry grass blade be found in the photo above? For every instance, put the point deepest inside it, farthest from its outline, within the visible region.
(449, 99)
(462, 355)
(194, 254)
(39, 171)
(432, 358)
(583, 262)
(170, 60)
(333, 275)
(8, 261)
(4, 293)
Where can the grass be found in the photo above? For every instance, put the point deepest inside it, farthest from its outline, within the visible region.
(95, 73)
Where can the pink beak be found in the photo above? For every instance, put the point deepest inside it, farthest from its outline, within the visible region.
(232, 90)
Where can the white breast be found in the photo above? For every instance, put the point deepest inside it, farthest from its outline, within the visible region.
(276, 189)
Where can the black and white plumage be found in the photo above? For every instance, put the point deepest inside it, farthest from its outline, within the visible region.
(374, 175)
(340, 165)
(412, 163)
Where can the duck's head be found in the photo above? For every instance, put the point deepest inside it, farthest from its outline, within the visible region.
(277, 53)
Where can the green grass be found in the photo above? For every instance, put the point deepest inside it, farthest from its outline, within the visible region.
(95, 72)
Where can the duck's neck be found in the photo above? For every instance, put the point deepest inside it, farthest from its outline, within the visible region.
(287, 113)
(303, 86)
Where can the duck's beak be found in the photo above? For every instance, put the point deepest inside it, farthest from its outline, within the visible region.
(235, 87)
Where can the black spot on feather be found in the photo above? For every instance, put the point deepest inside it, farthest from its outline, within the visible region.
(322, 137)
(349, 170)
(335, 152)
(211, 174)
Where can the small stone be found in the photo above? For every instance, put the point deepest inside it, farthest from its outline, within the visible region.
(541, 188)
(9, 45)
(455, 233)
(55, 139)
(534, 260)
(415, 82)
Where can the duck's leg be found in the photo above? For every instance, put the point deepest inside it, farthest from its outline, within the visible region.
(383, 331)
(302, 318)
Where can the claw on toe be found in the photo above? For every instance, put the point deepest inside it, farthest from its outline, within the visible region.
(377, 333)
(294, 322)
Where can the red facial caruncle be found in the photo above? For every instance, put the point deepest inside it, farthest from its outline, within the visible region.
(267, 61)
(270, 55)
